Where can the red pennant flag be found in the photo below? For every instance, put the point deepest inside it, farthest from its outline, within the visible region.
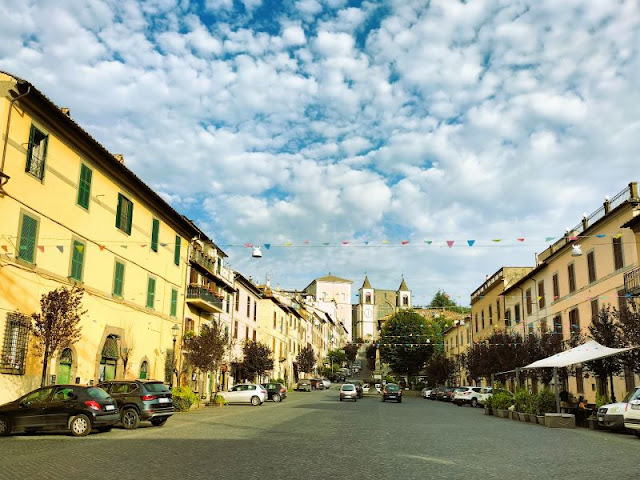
(345, 242)
(521, 239)
(4, 247)
(573, 238)
(101, 247)
(450, 243)
(404, 242)
(248, 245)
(143, 245)
(41, 248)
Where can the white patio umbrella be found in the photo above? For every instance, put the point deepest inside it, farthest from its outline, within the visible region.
(586, 352)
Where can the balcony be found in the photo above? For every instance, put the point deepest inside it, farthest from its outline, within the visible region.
(632, 281)
(200, 297)
(211, 266)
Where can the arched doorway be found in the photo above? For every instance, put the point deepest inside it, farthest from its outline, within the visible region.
(109, 359)
(65, 361)
(144, 370)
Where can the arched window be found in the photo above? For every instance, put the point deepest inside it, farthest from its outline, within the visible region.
(143, 370)
(109, 359)
(64, 367)
(367, 298)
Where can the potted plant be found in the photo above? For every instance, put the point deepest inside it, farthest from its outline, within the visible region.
(501, 403)
(592, 421)
(545, 402)
(218, 400)
(488, 405)
(522, 400)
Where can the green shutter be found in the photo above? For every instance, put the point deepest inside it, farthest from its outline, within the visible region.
(77, 260)
(32, 133)
(27, 246)
(176, 255)
(118, 280)
(174, 302)
(154, 234)
(151, 292)
(84, 186)
(119, 211)
(129, 217)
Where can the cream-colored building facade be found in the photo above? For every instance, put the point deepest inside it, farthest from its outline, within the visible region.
(333, 294)
(73, 214)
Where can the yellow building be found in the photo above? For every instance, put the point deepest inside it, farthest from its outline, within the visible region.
(73, 213)
(575, 277)
(457, 340)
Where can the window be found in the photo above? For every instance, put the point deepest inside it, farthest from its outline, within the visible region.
(591, 266)
(498, 309)
(482, 317)
(255, 311)
(248, 306)
(571, 273)
(516, 312)
(151, 292)
(574, 321)
(594, 309)
(529, 301)
(228, 304)
(275, 321)
(622, 300)
(124, 214)
(235, 329)
(14, 347)
(541, 299)
(118, 279)
(28, 235)
(246, 333)
(176, 252)
(174, 302)
(557, 324)
(556, 287)
(237, 301)
(367, 298)
(530, 328)
(77, 260)
(618, 260)
(36, 152)
(84, 186)
(507, 317)
(543, 325)
(476, 318)
(490, 315)
(155, 230)
(579, 380)
(254, 336)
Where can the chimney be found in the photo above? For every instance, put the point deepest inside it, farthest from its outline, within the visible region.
(119, 157)
(66, 111)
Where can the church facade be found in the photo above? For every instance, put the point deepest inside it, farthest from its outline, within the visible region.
(374, 305)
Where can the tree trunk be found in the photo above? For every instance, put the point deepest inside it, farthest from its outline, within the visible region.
(613, 395)
(45, 361)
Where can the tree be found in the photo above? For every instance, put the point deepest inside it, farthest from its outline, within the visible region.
(440, 369)
(57, 327)
(370, 353)
(205, 351)
(606, 331)
(351, 350)
(257, 359)
(629, 320)
(442, 299)
(336, 356)
(405, 342)
(306, 360)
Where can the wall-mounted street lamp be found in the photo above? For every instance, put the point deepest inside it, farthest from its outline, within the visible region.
(174, 330)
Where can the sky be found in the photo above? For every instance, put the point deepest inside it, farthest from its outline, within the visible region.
(353, 137)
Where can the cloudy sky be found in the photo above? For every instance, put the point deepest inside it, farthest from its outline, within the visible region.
(318, 122)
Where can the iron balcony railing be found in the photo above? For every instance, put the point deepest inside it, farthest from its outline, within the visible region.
(198, 292)
(632, 281)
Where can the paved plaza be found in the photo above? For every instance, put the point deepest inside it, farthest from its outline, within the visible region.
(313, 435)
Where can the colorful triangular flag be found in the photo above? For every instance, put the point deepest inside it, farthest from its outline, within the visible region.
(41, 248)
(471, 242)
(60, 248)
(450, 243)
(548, 239)
(496, 240)
(267, 246)
(404, 242)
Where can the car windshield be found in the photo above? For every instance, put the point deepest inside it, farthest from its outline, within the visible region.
(97, 392)
(629, 396)
(157, 387)
(392, 387)
(348, 387)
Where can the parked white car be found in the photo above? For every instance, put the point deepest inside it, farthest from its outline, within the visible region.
(612, 415)
(467, 395)
(365, 388)
(326, 382)
(426, 392)
(632, 411)
(245, 393)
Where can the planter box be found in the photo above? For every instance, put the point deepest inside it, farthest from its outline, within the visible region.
(593, 424)
(488, 411)
(502, 413)
(532, 418)
(540, 419)
(524, 417)
(514, 415)
(560, 420)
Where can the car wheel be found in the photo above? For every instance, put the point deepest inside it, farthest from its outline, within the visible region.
(276, 397)
(80, 426)
(637, 432)
(399, 400)
(340, 398)
(383, 399)
(5, 426)
(255, 401)
(474, 402)
(105, 429)
(130, 419)
(158, 422)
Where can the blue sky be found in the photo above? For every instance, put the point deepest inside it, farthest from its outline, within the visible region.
(329, 121)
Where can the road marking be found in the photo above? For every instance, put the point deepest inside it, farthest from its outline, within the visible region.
(430, 459)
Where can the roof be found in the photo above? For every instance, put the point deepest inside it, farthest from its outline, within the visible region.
(403, 286)
(332, 279)
(102, 154)
(247, 284)
(366, 283)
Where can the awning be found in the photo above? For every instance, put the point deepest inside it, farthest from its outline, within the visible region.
(583, 353)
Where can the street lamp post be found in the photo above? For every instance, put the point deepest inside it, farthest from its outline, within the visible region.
(174, 330)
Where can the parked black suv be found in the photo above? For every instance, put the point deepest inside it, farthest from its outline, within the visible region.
(275, 391)
(140, 400)
(75, 408)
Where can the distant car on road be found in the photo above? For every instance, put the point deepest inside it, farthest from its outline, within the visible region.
(74, 408)
(303, 385)
(246, 393)
(366, 387)
(426, 392)
(275, 391)
(326, 382)
(316, 384)
(392, 391)
(348, 391)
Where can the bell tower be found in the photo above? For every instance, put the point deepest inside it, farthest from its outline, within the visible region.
(404, 296)
(367, 306)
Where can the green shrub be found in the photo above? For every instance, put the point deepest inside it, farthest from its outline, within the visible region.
(545, 402)
(522, 400)
(502, 400)
(602, 400)
(183, 398)
(219, 400)
(488, 403)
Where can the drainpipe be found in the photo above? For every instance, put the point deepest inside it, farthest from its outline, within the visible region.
(6, 140)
